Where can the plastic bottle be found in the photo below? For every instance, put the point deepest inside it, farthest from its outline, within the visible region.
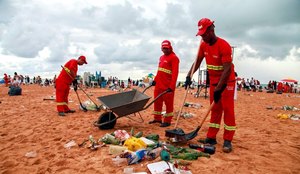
(91, 138)
(164, 155)
(195, 105)
(141, 154)
(186, 104)
(153, 154)
(203, 148)
(116, 150)
(109, 139)
(132, 158)
(187, 115)
(70, 144)
(31, 154)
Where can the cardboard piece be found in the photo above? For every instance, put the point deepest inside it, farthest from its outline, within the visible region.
(161, 166)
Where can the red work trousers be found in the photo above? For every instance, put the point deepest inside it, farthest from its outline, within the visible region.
(224, 106)
(168, 99)
(62, 93)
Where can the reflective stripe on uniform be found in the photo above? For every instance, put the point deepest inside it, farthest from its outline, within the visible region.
(230, 128)
(61, 103)
(67, 69)
(165, 70)
(214, 125)
(213, 67)
(168, 114)
(156, 113)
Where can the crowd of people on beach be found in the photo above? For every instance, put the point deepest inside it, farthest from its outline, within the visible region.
(272, 86)
(18, 80)
(246, 85)
(114, 83)
(283, 87)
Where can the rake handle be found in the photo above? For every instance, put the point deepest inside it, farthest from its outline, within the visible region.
(207, 113)
(187, 89)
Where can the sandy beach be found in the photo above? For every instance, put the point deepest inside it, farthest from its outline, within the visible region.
(263, 143)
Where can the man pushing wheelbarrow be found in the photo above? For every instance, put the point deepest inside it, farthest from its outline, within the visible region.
(131, 102)
(165, 79)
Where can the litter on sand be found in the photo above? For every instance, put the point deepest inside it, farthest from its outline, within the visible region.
(165, 167)
(187, 115)
(285, 108)
(70, 144)
(31, 154)
(288, 116)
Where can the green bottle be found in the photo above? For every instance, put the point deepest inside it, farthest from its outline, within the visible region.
(164, 155)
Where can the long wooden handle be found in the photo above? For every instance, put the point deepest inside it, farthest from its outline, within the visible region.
(207, 113)
(181, 108)
(187, 89)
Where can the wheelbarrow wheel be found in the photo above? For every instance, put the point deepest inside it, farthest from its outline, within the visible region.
(107, 118)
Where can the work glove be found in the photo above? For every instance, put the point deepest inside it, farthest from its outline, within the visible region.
(218, 93)
(75, 88)
(188, 81)
(153, 83)
(169, 90)
(75, 83)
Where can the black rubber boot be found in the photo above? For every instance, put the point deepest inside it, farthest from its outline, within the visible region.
(227, 147)
(70, 111)
(62, 114)
(210, 141)
(165, 124)
(155, 121)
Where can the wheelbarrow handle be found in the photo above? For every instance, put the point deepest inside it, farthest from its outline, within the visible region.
(147, 88)
(156, 98)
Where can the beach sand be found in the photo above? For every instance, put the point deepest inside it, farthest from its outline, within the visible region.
(262, 143)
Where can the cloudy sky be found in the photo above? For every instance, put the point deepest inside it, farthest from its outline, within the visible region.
(122, 37)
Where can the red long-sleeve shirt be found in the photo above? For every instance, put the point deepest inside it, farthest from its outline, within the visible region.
(215, 55)
(167, 72)
(71, 65)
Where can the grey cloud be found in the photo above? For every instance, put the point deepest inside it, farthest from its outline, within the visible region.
(264, 24)
(113, 51)
(269, 26)
(22, 38)
(177, 21)
(123, 19)
(7, 11)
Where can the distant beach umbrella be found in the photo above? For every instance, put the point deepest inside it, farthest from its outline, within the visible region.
(289, 80)
(150, 75)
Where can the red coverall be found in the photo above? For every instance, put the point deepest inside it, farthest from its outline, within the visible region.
(6, 80)
(215, 55)
(165, 78)
(63, 83)
(280, 87)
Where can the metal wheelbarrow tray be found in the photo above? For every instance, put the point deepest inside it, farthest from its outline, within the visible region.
(122, 104)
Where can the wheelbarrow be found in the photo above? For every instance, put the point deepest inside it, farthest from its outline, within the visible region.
(123, 104)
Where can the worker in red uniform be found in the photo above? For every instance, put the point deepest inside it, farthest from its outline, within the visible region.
(165, 80)
(66, 77)
(280, 87)
(6, 79)
(218, 55)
